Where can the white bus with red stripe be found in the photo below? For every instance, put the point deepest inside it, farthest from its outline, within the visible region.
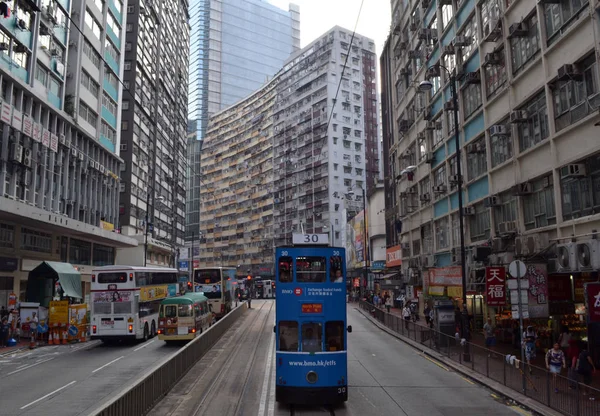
(126, 299)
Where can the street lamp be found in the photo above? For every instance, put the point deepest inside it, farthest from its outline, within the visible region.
(427, 86)
(160, 199)
(366, 248)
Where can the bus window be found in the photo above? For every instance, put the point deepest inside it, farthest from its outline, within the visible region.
(112, 277)
(168, 311)
(335, 270)
(142, 278)
(185, 311)
(334, 336)
(310, 269)
(311, 337)
(288, 336)
(197, 310)
(285, 269)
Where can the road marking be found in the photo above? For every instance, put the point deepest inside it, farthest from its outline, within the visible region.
(4, 361)
(435, 362)
(271, 410)
(519, 410)
(29, 366)
(107, 364)
(145, 345)
(49, 394)
(495, 396)
(467, 380)
(263, 394)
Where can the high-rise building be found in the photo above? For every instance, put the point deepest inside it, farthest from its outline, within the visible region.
(60, 72)
(274, 164)
(528, 88)
(153, 129)
(235, 48)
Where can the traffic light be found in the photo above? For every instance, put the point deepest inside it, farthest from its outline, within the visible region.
(189, 287)
(249, 277)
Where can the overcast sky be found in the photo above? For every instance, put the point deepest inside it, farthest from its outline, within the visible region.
(318, 16)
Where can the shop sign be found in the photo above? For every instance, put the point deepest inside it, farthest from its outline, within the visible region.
(445, 276)
(393, 256)
(378, 265)
(59, 312)
(454, 291)
(9, 264)
(538, 290)
(184, 266)
(436, 290)
(356, 282)
(592, 291)
(495, 286)
(107, 226)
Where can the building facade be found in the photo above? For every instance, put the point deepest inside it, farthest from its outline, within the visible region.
(326, 146)
(59, 166)
(153, 129)
(528, 91)
(235, 48)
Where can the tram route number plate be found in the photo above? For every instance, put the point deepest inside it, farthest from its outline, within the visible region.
(312, 308)
(308, 239)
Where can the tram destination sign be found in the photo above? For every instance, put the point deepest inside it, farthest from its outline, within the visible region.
(312, 308)
(310, 239)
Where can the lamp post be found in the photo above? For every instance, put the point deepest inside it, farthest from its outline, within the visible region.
(160, 199)
(427, 86)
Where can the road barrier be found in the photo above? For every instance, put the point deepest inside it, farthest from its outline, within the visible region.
(141, 397)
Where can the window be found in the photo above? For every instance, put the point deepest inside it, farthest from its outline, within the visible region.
(41, 74)
(471, 99)
(288, 336)
(576, 98)
(476, 159)
(479, 224)
(524, 49)
(447, 14)
(422, 147)
(442, 240)
(91, 53)
(581, 195)
(21, 59)
(470, 31)
(450, 121)
(80, 252)
(110, 22)
(439, 176)
(124, 125)
(437, 135)
(33, 240)
(89, 84)
(334, 336)
(103, 255)
(7, 235)
(87, 114)
(93, 24)
(425, 190)
(111, 78)
(538, 207)
(535, 128)
(108, 132)
(112, 50)
(506, 210)
(310, 269)
(312, 337)
(559, 16)
(127, 66)
(125, 105)
(109, 104)
(335, 270)
(501, 146)
(495, 75)
(99, 4)
(490, 15)
(285, 270)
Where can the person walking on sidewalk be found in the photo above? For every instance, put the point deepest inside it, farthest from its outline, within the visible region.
(406, 313)
(555, 360)
(529, 338)
(490, 336)
(388, 303)
(572, 356)
(4, 330)
(586, 367)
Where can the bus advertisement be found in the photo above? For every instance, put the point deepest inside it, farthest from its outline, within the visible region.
(126, 300)
(216, 284)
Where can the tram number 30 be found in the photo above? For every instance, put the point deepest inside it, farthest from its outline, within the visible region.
(341, 390)
(311, 238)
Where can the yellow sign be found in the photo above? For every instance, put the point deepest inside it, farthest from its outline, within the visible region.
(107, 226)
(436, 290)
(58, 313)
(455, 292)
(148, 293)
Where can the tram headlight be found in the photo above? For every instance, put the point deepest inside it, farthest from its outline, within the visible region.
(312, 377)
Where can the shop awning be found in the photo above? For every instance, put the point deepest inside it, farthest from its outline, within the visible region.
(68, 277)
(390, 276)
(39, 282)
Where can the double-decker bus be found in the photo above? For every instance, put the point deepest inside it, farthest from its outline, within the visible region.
(126, 299)
(216, 284)
(184, 317)
(264, 289)
(310, 314)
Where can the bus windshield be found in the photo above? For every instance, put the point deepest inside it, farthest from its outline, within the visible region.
(205, 277)
(118, 277)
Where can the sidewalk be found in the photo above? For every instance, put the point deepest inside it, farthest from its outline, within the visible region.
(490, 368)
(9, 350)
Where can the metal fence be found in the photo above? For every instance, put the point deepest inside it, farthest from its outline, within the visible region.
(145, 393)
(561, 394)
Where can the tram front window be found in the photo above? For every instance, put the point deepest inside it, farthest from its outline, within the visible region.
(334, 336)
(311, 337)
(285, 269)
(288, 336)
(311, 269)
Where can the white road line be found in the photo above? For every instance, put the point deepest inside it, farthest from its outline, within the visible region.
(107, 364)
(263, 394)
(272, 389)
(48, 395)
(145, 345)
(29, 366)
(25, 355)
(4, 361)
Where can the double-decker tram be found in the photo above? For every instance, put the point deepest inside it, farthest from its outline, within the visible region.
(310, 313)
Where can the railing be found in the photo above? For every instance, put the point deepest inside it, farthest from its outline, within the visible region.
(561, 394)
(140, 397)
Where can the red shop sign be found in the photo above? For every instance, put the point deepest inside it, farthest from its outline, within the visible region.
(495, 286)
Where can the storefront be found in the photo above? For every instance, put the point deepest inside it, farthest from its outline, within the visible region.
(8, 265)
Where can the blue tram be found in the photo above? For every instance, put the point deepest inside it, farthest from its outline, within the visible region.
(311, 356)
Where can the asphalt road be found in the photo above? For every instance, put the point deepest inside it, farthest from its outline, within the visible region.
(386, 377)
(70, 380)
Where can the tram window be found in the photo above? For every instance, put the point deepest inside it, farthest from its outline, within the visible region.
(334, 336)
(311, 269)
(288, 336)
(312, 337)
(335, 269)
(285, 270)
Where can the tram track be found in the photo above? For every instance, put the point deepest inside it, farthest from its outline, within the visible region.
(226, 371)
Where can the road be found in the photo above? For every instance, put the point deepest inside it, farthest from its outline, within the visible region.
(386, 377)
(69, 380)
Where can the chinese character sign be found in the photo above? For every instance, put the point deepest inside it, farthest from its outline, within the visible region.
(538, 290)
(495, 286)
(592, 291)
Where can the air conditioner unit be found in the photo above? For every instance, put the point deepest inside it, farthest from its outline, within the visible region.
(429, 157)
(469, 211)
(453, 179)
(461, 41)
(473, 77)
(518, 30)
(518, 116)
(27, 153)
(102, 169)
(507, 227)
(569, 72)
(424, 33)
(498, 130)
(405, 246)
(430, 125)
(566, 257)
(574, 170)
(73, 152)
(588, 255)
(425, 197)
(524, 188)
(3, 46)
(440, 189)
(421, 135)
(16, 152)
(448, 106)
(493, 58)
(448, 50)
(492, 201)
(91, 164)
(81, 156)
(427, 261)
(61, 139)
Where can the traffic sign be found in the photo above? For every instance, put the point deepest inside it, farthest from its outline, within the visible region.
(517, 269)
(310, 239)
(73, 330)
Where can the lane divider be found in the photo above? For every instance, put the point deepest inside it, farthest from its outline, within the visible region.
(144, 345)
(29, 366)
(265, 386)
(107, 364)
(48, 395)
(435, 362)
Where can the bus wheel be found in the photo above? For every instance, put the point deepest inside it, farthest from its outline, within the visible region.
(145, 333)
(153, 332)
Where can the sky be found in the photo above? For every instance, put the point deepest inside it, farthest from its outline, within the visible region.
(318, 16)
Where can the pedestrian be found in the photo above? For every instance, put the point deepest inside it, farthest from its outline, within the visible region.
(555, 360)
(564, 338)
(529, 339)
(4, 330)
(585, 368)
(406, 313)
(431, 317)
(490, 336)
(388, 303)
(572, 356)
(426, 312)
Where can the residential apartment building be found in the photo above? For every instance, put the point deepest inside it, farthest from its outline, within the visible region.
(235, 48)
(528, 92)
(326, 145)
(60, 72)
(237, 201)
(153, 129)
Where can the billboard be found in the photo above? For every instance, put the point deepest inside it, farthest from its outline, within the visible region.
(393, 256)
(355, 242)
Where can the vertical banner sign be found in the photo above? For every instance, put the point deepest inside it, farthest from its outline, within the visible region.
(592, 297)
(6, 115)
(495, 286)
(37, 132)
(27, 125)
(17, 120)
(46, 138)
(54, 142)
